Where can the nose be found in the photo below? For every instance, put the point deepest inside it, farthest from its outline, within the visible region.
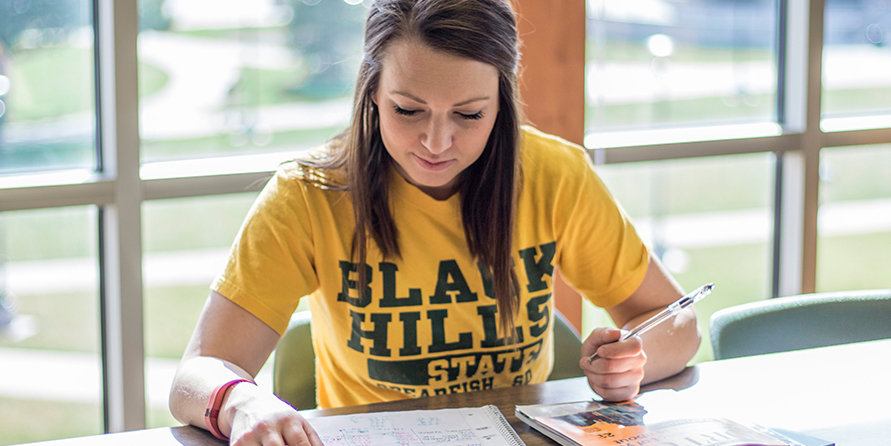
(438, 136)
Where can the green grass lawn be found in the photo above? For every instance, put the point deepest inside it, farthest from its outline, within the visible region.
(183, 224)
(26, 421)
(41, 90)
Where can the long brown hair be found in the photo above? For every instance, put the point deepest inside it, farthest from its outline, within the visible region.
(482, 30)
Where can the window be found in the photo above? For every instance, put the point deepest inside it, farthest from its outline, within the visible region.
(248, 78)
(708, 219)
(856, 58)
(49, 325)
(855, 218)
(46, 86)
(701, 138)
(656, 63)
(179, 263)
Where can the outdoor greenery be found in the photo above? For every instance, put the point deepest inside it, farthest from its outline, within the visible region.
(855, 173)
(26, 421)
(676, 187)
(42, 91)
(185, 224)
(758, 108)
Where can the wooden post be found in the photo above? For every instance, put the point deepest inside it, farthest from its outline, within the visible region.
(552, 85)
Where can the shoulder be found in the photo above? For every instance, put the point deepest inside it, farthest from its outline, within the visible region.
(549, 156)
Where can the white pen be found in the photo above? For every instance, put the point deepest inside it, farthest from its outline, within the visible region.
(672, 309)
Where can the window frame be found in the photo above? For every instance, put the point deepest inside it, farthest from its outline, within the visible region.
(118, 190)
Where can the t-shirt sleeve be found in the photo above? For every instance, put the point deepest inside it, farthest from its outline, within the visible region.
(271, 263)
(602, 256)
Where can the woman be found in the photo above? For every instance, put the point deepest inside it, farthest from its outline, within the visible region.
(462, 214)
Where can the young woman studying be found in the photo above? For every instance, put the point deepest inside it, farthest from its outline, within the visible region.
(425, 238)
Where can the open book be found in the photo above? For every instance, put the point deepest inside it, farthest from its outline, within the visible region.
(593, 423)
(484, 426)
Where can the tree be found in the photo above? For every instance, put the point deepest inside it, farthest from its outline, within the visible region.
(328, 36)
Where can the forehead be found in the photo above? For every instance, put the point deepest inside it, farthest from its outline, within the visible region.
(430, 74)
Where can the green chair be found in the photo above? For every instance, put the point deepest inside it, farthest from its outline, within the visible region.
(800, 322)
(294, 374)
(567, 350)
(294, 364)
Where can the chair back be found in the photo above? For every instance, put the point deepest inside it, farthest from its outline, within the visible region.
(567, 349)
(800, 322)
(294, 363)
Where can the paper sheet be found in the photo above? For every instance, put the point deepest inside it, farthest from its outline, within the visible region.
(476, 426)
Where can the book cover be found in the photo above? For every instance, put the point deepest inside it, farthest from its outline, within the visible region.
(626, 424)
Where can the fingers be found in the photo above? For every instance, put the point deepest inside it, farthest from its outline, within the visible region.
(599, 337)
(617, 372)
(293, 430)
(303, 435)
(313, 436)
(616, 379)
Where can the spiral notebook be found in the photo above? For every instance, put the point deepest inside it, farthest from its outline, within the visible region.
(467, 426)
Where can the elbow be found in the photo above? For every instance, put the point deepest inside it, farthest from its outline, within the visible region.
(175, 402)
(693, 337)
(181, 399)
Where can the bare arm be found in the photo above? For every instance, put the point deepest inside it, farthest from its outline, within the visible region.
(659, 353)
(230, 343)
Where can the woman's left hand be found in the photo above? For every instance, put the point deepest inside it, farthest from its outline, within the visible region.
(617, 372)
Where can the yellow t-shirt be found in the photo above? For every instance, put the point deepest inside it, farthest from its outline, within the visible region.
(425, 325)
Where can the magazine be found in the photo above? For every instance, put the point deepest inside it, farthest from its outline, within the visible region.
(593, 423)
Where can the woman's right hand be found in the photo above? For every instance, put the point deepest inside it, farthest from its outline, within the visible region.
(257, 417)
(231, 343)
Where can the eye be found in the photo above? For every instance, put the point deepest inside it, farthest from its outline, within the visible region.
(401, 111)
(474, 116)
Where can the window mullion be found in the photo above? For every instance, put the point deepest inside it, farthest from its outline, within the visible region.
(121, 265)
(811, 145)
(798, 178)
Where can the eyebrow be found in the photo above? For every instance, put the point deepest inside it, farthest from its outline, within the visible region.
(417, 99)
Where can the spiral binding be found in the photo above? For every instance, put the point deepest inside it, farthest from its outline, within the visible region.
(504, 428)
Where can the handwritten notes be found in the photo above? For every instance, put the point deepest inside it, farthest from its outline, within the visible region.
(474, 426)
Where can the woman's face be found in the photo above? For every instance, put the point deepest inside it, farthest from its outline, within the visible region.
(436, 113)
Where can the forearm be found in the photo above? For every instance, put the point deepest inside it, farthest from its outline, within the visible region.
(668, 346)
(195, 380)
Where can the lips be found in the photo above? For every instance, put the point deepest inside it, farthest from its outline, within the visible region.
(434, 166)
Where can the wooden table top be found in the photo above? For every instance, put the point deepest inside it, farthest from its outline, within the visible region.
(839, 393)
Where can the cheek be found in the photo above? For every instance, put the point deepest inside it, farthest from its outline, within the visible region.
(395, 134)
(479, 136)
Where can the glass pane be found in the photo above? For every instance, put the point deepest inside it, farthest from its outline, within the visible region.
(179, 264)
(856, 61)
(46, 85)
(709, 220)
(246, 77)
(49, 325)
(666, 62)
(854, 219)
